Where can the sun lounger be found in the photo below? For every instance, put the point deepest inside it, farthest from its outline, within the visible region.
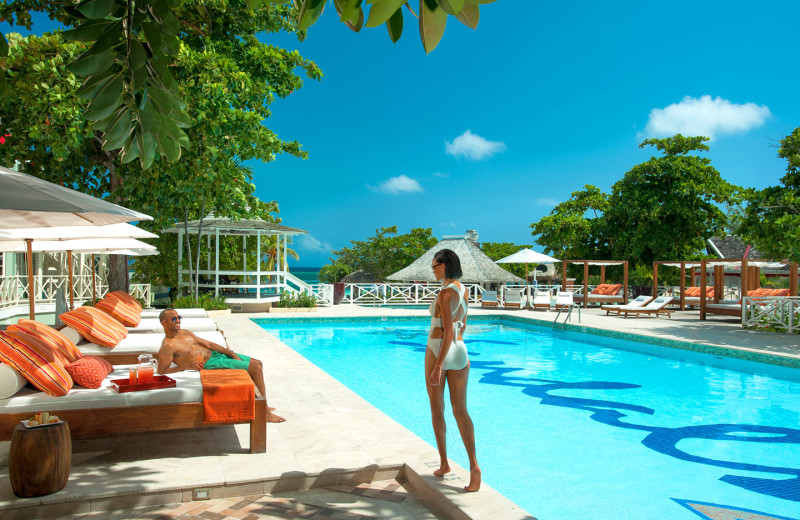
(102, 411)
(512, 299)
(564, 299)
(731, 308)
(639, 302)
(129, 349)
(489, 299)
(656, 307)
(541, 300)
(190, 324)
(186, 313)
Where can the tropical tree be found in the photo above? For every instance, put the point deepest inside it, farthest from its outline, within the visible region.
(386, 252)
(228, 80)
(334, 271)
(772, 217)
(668, 207)
(132, 97)
(574, 229)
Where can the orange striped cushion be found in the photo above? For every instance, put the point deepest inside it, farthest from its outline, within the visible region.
(96, 326)
(56, 340)
(120, 310)
(127, 298)
(694, 292)
(36, 362)
(607, 289)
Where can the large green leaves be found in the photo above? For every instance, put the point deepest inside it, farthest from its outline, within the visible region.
(128, 82)
(432, 21)
(382, 10)
(3, 53)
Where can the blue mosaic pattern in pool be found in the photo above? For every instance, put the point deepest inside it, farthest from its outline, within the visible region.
(568, 423)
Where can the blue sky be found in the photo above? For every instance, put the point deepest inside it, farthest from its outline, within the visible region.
(497, 125)
(544, 97)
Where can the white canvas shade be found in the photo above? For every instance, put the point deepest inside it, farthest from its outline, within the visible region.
(528, 256)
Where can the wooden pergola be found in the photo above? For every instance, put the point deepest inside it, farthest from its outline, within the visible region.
(602, 264)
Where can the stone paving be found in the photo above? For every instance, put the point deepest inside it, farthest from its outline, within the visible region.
(332, 438)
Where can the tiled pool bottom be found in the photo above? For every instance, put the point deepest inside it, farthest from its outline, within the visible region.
(585, 436)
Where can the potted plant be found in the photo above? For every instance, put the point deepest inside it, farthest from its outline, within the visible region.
(332, 273)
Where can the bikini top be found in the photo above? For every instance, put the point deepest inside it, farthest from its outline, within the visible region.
(458, 324)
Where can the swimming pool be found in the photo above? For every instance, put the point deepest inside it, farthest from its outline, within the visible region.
(574, 426)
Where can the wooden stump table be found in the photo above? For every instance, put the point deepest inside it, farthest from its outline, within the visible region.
(39, 459)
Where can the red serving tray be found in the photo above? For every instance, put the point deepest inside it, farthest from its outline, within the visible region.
(123, 385)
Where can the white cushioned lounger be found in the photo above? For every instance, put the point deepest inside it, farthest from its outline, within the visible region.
(191, 324)
(188, 389)
(143, 343)
(186, 313)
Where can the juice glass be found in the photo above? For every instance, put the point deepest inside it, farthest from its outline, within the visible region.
(132, 377)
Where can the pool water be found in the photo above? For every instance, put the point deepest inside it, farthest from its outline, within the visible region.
(574, 426)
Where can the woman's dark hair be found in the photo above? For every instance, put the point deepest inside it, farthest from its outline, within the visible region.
(452, 265)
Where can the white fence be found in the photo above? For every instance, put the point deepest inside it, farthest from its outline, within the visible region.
(14, 290)
(772, 312)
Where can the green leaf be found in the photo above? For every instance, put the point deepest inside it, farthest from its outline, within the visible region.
(382, 10)
(118, 130)
(469, 15)
(252, 5)
(107, 96)
(87, 32)
(137, 56)
(147, 148)
(170, 148)
(394, 25)
(110, 38)
(96, 9)
(170, 45)
(451, 6)
(149, 118)
(93, 84)
(92, 64)
(310, 12)
(432, 21)
(3, 45)
(130, 151)
(349, 9)
(153, 34)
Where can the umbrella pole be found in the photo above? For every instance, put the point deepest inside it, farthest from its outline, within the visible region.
(31, 298)
(71, 299)
(94, 284)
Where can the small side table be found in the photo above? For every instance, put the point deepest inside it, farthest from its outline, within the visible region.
(39, 459)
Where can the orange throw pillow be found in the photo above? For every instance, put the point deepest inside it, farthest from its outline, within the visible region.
(34, 360)
(127, 298)
(600, 289)
(120, 310)
(96, 326)
(692, 292)
(89, 371)
(57, 340)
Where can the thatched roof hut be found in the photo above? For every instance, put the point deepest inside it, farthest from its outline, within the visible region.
(477, 267)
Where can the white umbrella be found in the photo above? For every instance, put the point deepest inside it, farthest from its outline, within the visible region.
(29, 202)
(122, 230)
(528, 256)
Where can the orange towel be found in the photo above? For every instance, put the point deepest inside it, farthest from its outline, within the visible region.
(228, 396)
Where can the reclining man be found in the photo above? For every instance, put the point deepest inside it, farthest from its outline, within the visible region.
(189, 352)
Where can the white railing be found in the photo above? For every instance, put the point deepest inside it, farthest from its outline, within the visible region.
(772, 312)
(415, 293)
(14, 290)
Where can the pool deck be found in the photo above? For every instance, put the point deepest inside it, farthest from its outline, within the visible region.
(353, 460)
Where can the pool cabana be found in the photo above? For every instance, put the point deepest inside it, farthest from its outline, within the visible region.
(248, 281)
(692, 266)
(585, 300)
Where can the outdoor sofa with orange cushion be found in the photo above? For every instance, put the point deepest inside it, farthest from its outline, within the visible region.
(731, 308)
(691, 296)
(101, 412)
(604, 293)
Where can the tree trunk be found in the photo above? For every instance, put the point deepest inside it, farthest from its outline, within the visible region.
(118, 273)
(199, 237)
(188, 248)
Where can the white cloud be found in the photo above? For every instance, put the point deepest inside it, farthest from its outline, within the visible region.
(441, 175)
(705, 116)
(397, 185)
(309, 243)
(546, 202)
(447, 224)
(473, 147)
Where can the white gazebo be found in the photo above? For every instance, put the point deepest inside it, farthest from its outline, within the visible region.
(266, 285)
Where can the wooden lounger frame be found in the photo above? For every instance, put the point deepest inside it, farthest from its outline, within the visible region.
(101, 422)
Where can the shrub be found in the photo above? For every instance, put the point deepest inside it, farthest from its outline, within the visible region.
(205, 301)
(289, 299)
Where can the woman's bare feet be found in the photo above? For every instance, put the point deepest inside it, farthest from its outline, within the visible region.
(474, 480)
(442, 471)
(271, 417)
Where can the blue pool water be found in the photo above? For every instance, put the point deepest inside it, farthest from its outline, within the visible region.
(573, 426)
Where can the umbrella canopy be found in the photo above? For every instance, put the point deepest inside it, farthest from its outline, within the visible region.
(80, 245)
(29, 202)
(10, 239)
(528, 256)
(476, 266)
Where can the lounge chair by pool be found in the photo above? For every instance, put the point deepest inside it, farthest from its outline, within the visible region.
(656, 307)
(541, 300)
(512, 299)
(564, 299)
(639, 302)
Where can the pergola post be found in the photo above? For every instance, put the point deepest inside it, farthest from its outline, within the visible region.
(180, 260)
(719, 281)
(655, 279)
(258, 264)
(624, 281)
(585, 284)
(564, 275)
(793, 279)
(683, 285)
(702, 288)
(216, 264)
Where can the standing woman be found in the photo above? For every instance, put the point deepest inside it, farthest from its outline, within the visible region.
(446, 359)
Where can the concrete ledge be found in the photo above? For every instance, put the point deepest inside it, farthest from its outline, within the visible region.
(291, 309)
(218, 312)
